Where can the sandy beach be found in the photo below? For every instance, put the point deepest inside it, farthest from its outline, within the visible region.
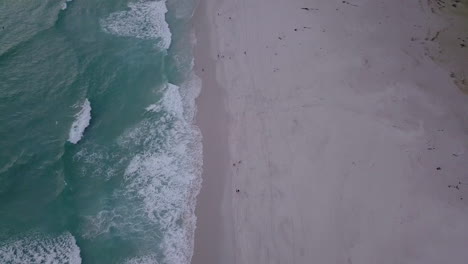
(333, 132)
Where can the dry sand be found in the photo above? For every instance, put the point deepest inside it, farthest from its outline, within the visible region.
(343, 128)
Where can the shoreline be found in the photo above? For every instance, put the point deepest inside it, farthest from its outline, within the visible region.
(339, 129)
(212, 233)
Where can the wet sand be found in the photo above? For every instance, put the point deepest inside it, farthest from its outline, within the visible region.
(214, 218)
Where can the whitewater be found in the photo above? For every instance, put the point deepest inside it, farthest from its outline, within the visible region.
(83, 117)
(97, 104)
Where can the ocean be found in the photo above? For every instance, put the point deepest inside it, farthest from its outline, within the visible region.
(100, 160)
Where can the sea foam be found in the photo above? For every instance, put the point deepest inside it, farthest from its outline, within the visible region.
(144, 20)
(168, 177)
(38, 249)
(171, 102)
(82, 119)
(150, 259)
(156, 201)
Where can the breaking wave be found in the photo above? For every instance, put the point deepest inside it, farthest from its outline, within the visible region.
(144, 20)
(82, 119)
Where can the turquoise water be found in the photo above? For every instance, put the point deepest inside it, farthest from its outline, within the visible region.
(99, 158)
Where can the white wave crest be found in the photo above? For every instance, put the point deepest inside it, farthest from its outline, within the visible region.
(144, 20)
(64, 4)
(82, 119)
(171, 102)
(41, 250)
(154, 108)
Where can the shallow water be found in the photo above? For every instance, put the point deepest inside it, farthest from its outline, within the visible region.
(99, 158)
